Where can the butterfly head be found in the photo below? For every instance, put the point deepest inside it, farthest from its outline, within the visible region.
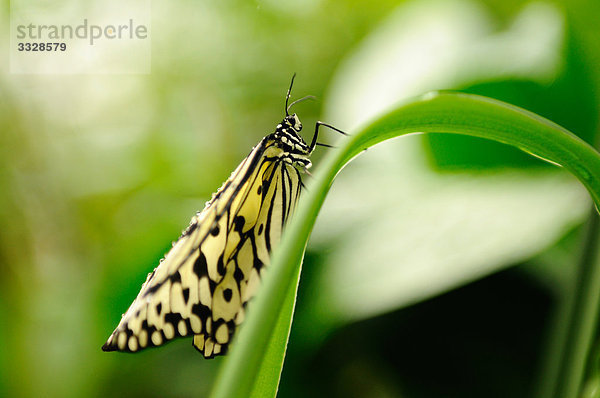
(292, 122)
(287, 132)
(287, 137)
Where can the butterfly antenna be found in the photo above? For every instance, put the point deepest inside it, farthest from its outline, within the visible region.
(300, 100)
(324, 145)
(289, 93)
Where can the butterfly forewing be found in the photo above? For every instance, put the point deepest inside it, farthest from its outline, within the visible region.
(204, 282)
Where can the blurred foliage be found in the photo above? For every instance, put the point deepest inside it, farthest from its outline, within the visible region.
(512, 214)
(100, 173)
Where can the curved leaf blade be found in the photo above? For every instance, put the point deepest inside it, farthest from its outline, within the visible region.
(263, 337)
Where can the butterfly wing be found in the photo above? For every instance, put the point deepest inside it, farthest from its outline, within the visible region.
(259, 230)
(204, 282)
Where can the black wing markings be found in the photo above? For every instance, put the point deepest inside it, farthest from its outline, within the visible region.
(261, 147)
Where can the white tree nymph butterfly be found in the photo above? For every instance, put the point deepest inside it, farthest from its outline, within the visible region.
(204, 282)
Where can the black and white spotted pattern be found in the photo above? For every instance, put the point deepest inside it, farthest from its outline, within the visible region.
(203, 284)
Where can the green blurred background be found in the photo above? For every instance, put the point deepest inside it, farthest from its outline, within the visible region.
(440, 266)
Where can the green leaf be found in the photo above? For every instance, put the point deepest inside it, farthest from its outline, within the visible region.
(394, 208)
(263, 337)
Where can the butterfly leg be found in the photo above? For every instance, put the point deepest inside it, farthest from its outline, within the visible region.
(313, 143)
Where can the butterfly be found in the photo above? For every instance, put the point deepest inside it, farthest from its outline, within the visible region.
(203, 284)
